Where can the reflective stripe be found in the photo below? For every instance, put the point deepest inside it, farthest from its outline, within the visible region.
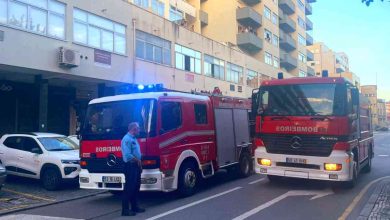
(184, 135)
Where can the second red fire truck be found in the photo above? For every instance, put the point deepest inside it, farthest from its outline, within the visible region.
(312, 128)
(184, 137)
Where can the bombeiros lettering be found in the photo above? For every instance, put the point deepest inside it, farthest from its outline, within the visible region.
(298, 129)
(108, 149)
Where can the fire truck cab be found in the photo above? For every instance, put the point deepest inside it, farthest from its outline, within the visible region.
(184, 137)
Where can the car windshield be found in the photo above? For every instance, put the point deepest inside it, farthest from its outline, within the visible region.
(58, 143)
(302, 100)
(110, 120)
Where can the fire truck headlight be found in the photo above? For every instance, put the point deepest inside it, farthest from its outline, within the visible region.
(264, 162)
(332, 167)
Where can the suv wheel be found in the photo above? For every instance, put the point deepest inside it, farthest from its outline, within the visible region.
(51, 178)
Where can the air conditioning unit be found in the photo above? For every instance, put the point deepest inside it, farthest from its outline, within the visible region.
(68, 58)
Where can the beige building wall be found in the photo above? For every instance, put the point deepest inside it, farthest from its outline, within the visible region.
(370, 91)
(382, 121)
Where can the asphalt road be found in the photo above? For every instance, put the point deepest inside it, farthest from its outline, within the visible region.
(227, 197)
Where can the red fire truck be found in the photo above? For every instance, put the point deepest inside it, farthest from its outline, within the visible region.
(313, 128)
(184, 137)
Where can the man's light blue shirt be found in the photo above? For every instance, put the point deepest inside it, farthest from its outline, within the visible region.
(130, 148)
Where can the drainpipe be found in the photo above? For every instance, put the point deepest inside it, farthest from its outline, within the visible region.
(134, 51)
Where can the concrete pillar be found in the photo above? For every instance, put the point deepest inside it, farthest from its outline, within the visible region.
(43, 86)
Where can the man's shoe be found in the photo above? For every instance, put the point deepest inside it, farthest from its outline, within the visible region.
(138, 210)
(128, 213)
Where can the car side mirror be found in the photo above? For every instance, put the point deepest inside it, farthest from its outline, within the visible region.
(36, 150)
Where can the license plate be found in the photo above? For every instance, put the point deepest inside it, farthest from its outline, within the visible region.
(295, 160)
(112, 179)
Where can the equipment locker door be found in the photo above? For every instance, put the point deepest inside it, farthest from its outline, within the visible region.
(225, 136)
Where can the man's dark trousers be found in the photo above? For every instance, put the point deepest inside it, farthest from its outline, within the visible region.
(132, 173)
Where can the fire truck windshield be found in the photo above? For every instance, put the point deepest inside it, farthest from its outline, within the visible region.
(110, 120)
(302, 100)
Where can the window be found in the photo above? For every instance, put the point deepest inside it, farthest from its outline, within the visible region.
(302, 73)
(14, 143)
(274, 18)
(152, 48)
(214, 67)
(200, 114)
(98, 32)
(234, 73)
(302, 57)
(267, 35)
(187, 59)
(275, 40)
(46, 17)
(29, 144)
(276, 62)
(158, 7)
(301, 23)
(175, 14)
(268, 58)
(301, 5)
(267, 13)
(252, 78)
(301, 40)
(142, 3)
(171, 116)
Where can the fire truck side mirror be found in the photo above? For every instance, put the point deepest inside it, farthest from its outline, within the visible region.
(255, 102)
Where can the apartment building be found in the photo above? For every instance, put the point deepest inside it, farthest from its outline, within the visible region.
(382, 115)
(371, 92)
(59, 54)
(388, 112)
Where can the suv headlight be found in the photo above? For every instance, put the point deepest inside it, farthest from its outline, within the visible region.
(70, 161)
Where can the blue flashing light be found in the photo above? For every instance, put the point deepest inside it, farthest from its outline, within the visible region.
(280, 75)
(150, 86)
(140, 87)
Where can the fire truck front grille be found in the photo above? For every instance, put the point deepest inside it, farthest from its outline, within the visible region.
(298, 145)
(101, 166)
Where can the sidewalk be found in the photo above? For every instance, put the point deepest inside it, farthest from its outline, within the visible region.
(378, 206)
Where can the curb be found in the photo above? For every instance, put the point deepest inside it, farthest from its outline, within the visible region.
(50, 203)
(366, 211)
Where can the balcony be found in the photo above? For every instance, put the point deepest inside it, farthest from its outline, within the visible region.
(248, 17)
(204, 18)
(184, 7)
(309, 55)
(287, 43)
(287, 6)
(310, 71)
(287, 24)
(251, 2)
(308, 9)
(309, 40)
(249, 42)
(340, 68)
(288, 62)
(309, 24)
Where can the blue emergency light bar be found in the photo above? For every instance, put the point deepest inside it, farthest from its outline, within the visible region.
(139, 88)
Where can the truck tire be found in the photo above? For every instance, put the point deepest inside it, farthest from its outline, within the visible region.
(352, 183)
(51, 178)
(367, 168)
(245, 165)
(188, 179)
(274, 179)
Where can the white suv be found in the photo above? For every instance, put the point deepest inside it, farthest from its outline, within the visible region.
(52, 158)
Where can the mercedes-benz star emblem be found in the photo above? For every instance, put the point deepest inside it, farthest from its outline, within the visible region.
(111, 160)
(296, 142)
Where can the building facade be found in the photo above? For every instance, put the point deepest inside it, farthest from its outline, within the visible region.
(388, 112)
(382, 115)
(59, 54)
(371, 92)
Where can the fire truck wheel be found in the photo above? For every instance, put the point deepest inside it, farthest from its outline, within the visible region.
(367, 168)
(188, 178)
(51, 178)
(245, 165)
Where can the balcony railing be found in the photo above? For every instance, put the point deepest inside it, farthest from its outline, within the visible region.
(309, 40)
(308, 9)
(251, 2)
(249, 42)
(309, 24)
(248, 17)
(203, 17)
(287, 6)
(287, 43)
(309, 55)
(288, 62)
(287, 24)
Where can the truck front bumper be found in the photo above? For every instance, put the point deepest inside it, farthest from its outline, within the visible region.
(314, 170)
(151, 180)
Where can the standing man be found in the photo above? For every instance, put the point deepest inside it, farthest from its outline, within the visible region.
(132, 169)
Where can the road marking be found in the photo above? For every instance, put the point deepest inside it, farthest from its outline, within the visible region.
(29, 195)
(257, 181)
(383, 155)
(33, 217)
(356, 200)
(315, 193)
(193, 203)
